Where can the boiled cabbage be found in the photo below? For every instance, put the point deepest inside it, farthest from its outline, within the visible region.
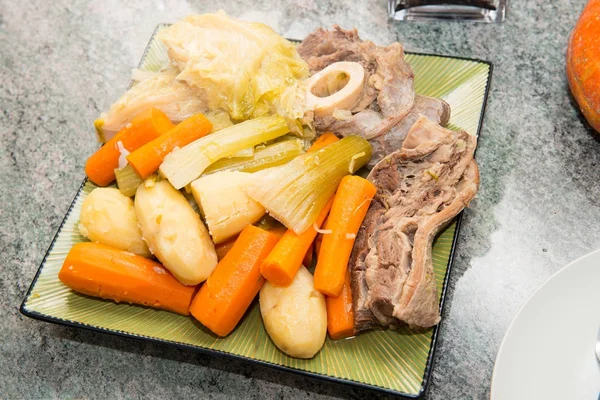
(244, 68)
(161, 90)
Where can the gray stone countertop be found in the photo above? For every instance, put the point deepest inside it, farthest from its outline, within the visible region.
(63, 62)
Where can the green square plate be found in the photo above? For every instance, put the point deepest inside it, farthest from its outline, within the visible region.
(397, 362)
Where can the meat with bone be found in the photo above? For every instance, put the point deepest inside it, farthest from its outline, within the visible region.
(436, 110)
(420, 188)
(388, 90)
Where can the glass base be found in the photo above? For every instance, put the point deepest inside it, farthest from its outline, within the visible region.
(446, 12)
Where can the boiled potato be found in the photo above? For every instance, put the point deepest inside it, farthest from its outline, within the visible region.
(108, 217)
(226, 207)
(174, 232)
(295, 317)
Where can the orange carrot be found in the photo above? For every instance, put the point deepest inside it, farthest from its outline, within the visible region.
(223, 248)
(103, 271)
(349, 208)
(322, 141)
(340, 315)
(144, 127)
(282, 264)
(230, 289)
(146, 160)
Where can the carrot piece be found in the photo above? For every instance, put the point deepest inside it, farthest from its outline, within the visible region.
(340, 314)
(282, 264)
(146, 126)
(224, 298)
(349, 208)
(102, 271)
(146, 160)
(223, 248)
(322, 141)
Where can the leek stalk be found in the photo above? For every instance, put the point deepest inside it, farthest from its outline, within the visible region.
(127, 180)
(295, 193)
(182, 166)
(266, 157)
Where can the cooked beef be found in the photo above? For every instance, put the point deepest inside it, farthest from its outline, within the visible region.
(323, 48)
(420, 188)
(436, 110)
(366, 122)
(388, 78)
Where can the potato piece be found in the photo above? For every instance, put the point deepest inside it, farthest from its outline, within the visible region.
(295, 317)
(174, 232)
(224, 203)
(108, 217)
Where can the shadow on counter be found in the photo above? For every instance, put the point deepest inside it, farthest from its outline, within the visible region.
(220, 363)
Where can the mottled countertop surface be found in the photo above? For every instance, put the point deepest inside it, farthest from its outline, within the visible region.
(63, 62)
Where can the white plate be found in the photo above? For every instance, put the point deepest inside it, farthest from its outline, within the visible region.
(548, 350)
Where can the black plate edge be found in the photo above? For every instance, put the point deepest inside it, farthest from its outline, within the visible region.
(434, 338)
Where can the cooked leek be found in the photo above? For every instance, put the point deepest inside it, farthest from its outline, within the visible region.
(182, 166)
(127, 180)
(266, 157)
(249, 152)
(295, 193)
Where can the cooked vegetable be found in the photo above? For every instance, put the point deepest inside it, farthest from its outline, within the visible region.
(174, 232)
(160, 90)
(244, 153)
(583, 63)
(230, 289)
(270, 224)
(264, 157)
(108, 217)
(184, 165)
(348, 210)
(219, 120)
(103, 271)
(294, 316)
(285, 259)
(340, 314)
(148, 158)
(127, 180)
(225, 206)
(148, 125)
(295, 193)
(322, 141)
(242, 67)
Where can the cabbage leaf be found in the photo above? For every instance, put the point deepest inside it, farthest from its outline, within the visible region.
(161, 90)
(243, 68)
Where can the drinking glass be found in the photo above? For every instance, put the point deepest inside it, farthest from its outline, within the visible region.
(471, 10)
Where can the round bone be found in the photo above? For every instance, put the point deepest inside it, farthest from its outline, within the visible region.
(342, 99)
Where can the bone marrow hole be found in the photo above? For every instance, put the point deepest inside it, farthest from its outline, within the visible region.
(330, 84)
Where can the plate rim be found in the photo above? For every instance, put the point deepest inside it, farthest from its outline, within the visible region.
(522, 307)
(213, 352)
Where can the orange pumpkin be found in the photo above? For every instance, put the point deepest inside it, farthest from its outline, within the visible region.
(583, 63)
